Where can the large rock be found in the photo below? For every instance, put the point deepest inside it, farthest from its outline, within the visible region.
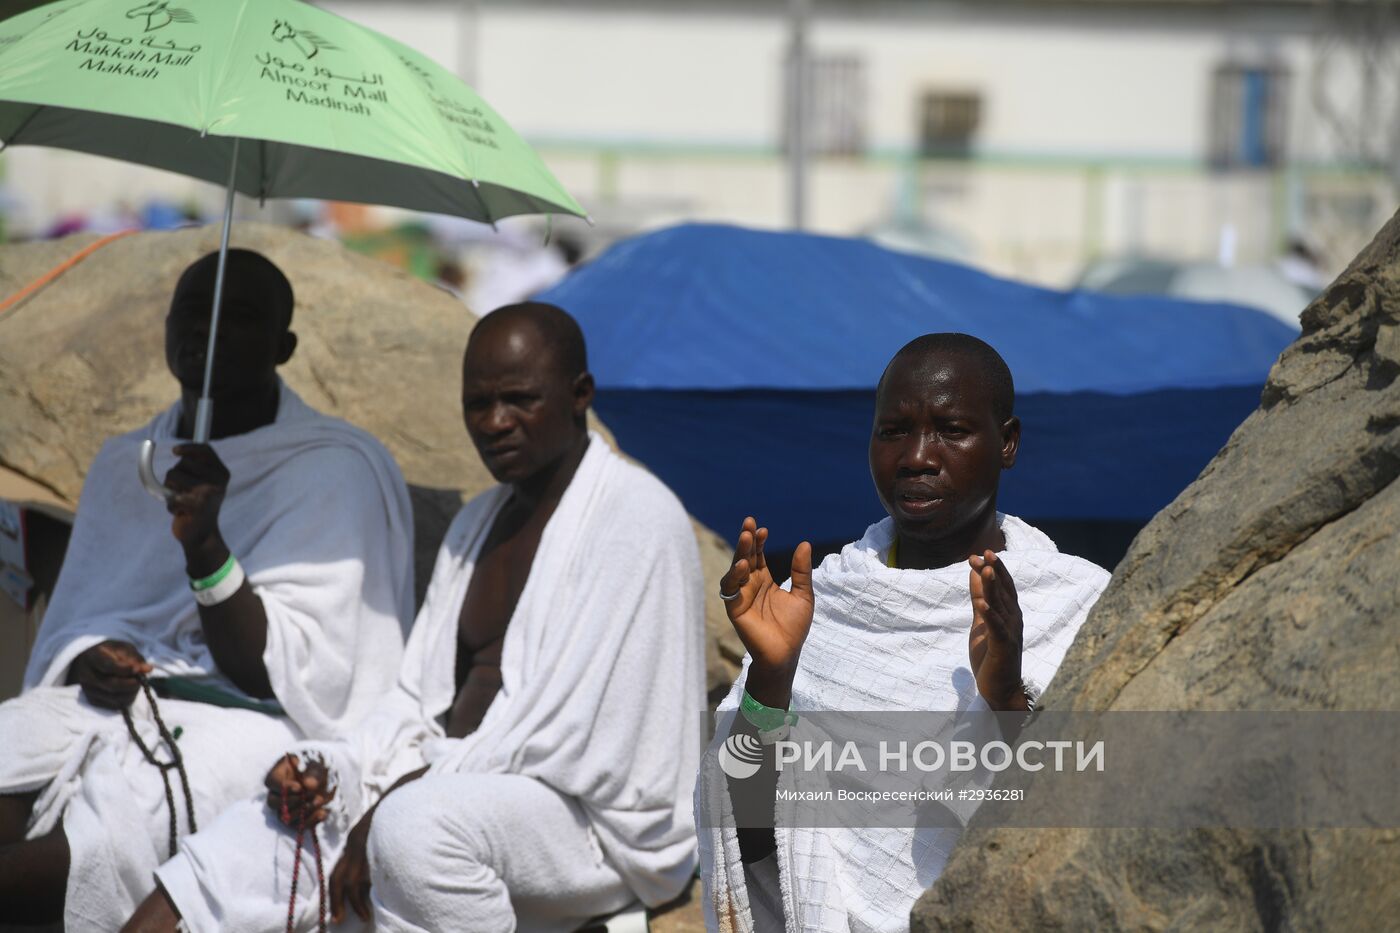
(83, 359)
(1271, 583)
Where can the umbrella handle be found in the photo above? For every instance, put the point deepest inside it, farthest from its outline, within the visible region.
(146, 468)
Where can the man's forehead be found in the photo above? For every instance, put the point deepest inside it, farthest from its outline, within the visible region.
(938, 401)
(198, 294)
(501, 376)
(202, 299)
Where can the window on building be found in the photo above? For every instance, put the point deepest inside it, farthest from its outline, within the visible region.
(948, 123)
(835, 105)
(1248, 105)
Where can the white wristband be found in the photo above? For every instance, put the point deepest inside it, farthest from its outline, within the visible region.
(773, 736)
(224, 589)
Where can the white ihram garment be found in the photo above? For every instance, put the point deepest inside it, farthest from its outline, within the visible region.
(884, 639)
(317, 514)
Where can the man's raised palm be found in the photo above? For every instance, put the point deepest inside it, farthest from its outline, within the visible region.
(995, 640)
(772, 622)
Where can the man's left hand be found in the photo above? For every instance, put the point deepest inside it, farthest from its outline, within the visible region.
(350, 879)
(994, 642)
(199, 481)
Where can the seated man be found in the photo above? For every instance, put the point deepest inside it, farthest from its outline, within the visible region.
(920, 614)
(275, 596)
(533, 767)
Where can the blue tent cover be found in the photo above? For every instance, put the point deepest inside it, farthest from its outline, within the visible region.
(740, 366)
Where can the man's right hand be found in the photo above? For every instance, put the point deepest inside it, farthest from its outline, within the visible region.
(109, 674)
(350, 879)
(299, 795)
(772, 622)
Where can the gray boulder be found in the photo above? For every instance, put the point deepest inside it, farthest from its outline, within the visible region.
(83, 358)
(1271, 583)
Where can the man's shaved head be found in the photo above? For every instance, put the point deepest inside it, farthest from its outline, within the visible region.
(248, 274)
(558, 331)
(986, 362)
(255, 334)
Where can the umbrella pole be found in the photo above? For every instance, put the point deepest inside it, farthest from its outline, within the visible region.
(204, 411)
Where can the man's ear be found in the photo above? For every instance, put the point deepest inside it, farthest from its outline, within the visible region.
(287, 347)
(1010, 441)
(583, 390)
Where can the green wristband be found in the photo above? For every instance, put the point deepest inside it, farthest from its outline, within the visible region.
(215, 578)
(764, 718)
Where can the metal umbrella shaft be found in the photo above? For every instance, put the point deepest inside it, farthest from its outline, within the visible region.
(204, 411)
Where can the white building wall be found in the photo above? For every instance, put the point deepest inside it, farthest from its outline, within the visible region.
(1093, 138)
(1109, 84)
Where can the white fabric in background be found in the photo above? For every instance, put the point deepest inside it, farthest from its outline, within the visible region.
(601, 701)
(318, 515)
(886, 639)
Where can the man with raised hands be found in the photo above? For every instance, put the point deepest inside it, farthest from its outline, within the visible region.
(945, 605)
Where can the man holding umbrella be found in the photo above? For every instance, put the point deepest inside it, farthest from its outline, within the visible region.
(263, 602)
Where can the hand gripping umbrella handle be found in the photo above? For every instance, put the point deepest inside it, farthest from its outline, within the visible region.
(146, 467)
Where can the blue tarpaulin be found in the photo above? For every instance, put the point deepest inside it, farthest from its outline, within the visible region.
(740, 366)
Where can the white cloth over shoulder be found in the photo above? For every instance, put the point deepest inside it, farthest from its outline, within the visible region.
(602, 672)
(886, 639)
(318, 515)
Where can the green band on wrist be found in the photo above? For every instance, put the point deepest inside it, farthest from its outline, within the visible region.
(215, 578)
(764, 718)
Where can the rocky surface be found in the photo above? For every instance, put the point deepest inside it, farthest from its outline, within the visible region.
(83, 359)
(683, 915)
(1271, 583)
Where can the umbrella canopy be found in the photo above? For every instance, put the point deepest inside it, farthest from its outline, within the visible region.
(741, 365)
(329, 109)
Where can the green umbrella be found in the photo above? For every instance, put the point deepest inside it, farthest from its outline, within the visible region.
(272, 98)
